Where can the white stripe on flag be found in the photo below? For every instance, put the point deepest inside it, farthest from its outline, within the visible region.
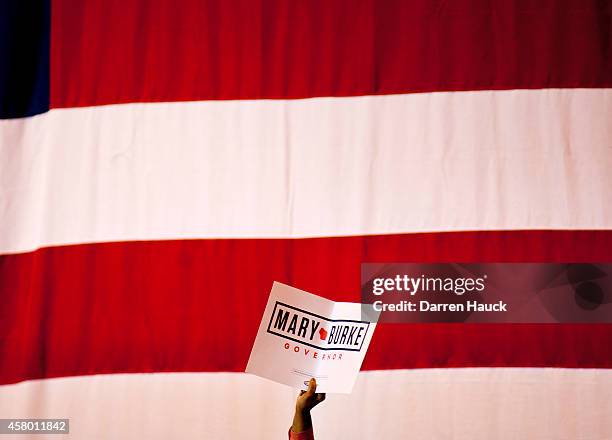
(471, 403)
(523, 159)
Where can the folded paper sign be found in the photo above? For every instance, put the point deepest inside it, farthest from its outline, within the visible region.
(302, 335)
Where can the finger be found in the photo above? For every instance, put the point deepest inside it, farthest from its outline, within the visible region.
(312, 387)
(320, 397)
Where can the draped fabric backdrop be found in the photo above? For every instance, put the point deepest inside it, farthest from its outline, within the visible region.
(163, 162)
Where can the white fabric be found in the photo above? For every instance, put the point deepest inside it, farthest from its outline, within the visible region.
(520, 159)
(470, 404)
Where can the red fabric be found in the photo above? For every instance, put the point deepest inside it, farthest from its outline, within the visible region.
(115, 51)
(305, 435)
(195, 305)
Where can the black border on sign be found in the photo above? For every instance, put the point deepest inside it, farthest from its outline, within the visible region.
(277, 303)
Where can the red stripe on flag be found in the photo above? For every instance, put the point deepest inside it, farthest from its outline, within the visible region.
(105, 52)
(195, 305)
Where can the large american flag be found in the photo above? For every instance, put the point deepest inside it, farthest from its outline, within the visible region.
(163, 162)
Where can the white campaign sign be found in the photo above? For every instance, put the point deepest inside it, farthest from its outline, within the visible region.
(302, 335)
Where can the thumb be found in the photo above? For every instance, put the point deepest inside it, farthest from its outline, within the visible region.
(312, 387)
